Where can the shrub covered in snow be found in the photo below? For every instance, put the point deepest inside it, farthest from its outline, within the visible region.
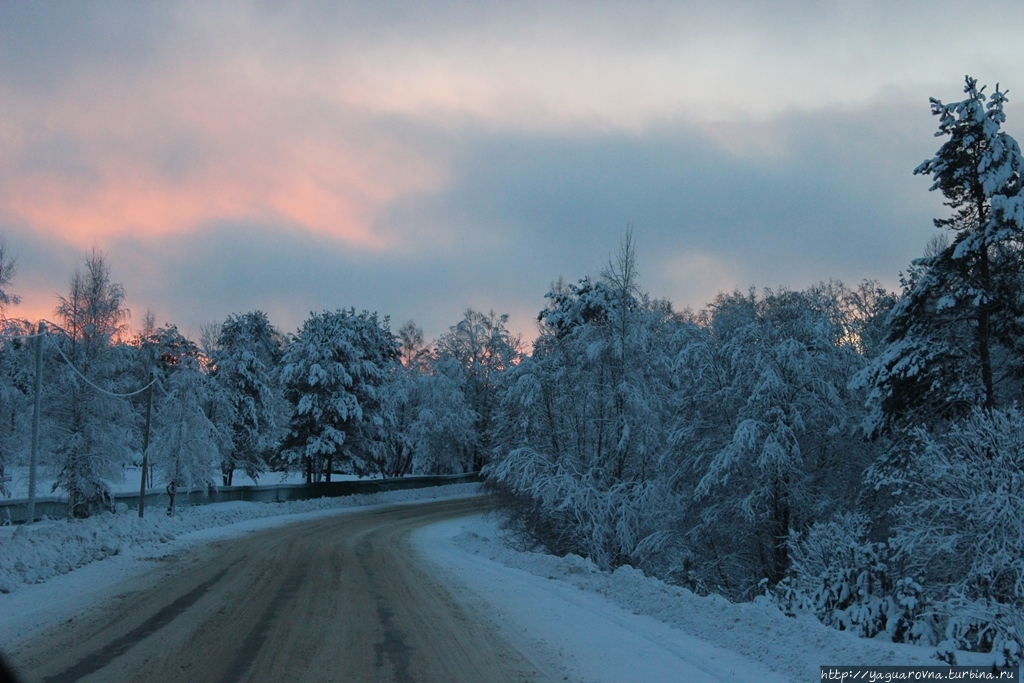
(851, 584)
(960, 524)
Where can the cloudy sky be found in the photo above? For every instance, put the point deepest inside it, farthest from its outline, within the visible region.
(418, 158)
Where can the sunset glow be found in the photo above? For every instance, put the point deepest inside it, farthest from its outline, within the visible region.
(416, 162)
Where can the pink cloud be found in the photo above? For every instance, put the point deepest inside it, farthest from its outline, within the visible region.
(108, 159)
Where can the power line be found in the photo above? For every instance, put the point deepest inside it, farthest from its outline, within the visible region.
(90, 382)
(21, 336)
(5, 336)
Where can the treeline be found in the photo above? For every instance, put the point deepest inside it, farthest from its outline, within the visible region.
(341, 395)
(849, 452)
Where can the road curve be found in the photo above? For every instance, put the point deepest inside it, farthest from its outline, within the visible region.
(340, 598)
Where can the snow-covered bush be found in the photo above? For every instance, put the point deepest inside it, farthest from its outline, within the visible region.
(983, 625)
(960, 523)
(848, 583)
(568, 512)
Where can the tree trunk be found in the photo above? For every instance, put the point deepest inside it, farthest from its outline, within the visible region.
(984, 336)
(983, 311)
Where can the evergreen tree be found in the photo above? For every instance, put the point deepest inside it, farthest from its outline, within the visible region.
(245, 366)
(334, 371)
(953, 335)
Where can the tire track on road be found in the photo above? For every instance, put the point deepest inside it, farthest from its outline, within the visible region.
(341, 598)
(99, 659)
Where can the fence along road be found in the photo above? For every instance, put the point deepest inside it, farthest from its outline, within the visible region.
(15, 510)
(341, 598)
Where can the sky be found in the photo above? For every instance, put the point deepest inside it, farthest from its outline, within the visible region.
(418, 159)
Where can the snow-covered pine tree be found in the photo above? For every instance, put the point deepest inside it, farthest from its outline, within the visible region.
(953, 335)
(333, 372)
(245, 366)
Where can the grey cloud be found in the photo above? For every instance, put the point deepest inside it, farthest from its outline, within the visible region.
(229, 268)
(46, 45)
(839, 200)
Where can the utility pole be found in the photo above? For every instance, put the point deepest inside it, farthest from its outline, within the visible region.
(35, 425)
(145, 448)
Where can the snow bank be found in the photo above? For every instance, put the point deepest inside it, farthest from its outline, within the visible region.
(34, 553)
(794, 648)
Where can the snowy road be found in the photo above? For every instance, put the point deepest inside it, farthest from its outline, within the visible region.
(329, 590)
(336, 599)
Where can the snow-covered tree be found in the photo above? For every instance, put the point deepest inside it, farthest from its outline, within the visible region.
(953, 336)
(414, 351)
(792, 435)
(443, 428)
(245, 366)
(397, 448)
(334, 371)
(93, 314)
(15, 376)
(429, 427)
(483, 348)
(8, 269)
(960, 525)
(185, 443)
(584, 423)
(94, 431)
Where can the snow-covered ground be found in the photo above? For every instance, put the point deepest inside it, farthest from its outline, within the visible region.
(592, 626)
(623, 626)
